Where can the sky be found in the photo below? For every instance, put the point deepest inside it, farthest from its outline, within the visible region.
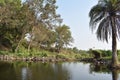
(75, 14)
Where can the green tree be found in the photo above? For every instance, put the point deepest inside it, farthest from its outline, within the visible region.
(16, 20)
(75, 50)
(38, 19)
(105, 15)
(8, 22)
(26, 19)
(45, 11)
(46, 19)
(63, 36)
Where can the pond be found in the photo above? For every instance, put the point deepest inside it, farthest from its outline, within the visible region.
(55, 71)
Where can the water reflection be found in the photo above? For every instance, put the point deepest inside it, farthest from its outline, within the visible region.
(44, 71)
(115, 74)
(48, 71)
(98, 68)
(103, 69)
(55, 71)
(24, 73)
(7, 71)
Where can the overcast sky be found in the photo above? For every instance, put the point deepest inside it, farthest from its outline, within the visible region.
(75, 15)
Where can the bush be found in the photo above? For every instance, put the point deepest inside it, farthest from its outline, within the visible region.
(78, 57)
(40, 54)
(4, 52)
(43, 54)
(60, 56)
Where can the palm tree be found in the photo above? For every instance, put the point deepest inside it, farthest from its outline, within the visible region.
(105, 19)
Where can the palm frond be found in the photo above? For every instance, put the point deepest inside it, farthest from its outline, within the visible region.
(96, 14)
(100, 15)
(104, 30)
(118, 26)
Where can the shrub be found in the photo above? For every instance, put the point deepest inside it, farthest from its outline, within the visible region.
(77, 56)
(43, 54)
(60, 56)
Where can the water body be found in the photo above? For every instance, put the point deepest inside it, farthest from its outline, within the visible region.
(55, 71)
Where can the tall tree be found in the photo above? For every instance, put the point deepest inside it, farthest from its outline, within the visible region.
(63, 36)
(105, 16)
(45, 11)
(46, 16)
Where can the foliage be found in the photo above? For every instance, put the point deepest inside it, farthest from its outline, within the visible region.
(59, 56)
(105, 18)
(29, 25)
(75, 50)
(101, 53)
(63, 36)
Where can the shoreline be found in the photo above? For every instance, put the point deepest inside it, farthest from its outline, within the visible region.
(35, 59)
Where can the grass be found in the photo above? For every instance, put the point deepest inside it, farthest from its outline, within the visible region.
(43, 53)
(64, 54)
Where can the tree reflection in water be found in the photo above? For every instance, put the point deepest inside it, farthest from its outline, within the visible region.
(56, 71)
(33, 71)
(98, 68)
(115, 74)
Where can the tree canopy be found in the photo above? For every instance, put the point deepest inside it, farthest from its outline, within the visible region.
(37, 18)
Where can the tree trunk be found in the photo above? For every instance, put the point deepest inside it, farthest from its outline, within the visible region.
(30, 40)
(23, 35)
(18, 44)
(16, 49)
(114, 44)
(29, 46)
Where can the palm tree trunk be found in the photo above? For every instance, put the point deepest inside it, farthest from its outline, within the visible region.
(114, 44)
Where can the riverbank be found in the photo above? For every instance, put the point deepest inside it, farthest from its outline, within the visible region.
(58, 58)
(43, 59)
(44, 55)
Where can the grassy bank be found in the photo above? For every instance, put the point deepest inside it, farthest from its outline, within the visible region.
(65, 55)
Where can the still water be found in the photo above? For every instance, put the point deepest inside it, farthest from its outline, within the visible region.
(55, 71)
